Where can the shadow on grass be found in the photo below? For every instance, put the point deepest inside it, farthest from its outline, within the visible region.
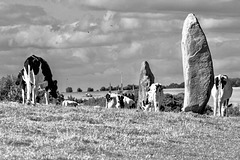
(19, 143)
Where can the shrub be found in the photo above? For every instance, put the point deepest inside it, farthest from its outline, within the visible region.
(90, 89)
(95, 102)
(234, 111)
(103, 89)
(79, 90)
(9, 90)
(69, 89)
(173, 102)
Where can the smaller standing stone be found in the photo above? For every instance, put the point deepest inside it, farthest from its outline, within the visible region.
(197, 66)
(145, 81)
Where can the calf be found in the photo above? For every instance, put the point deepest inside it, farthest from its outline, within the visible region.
(154, 97)
(69, 103)
(38, 76)
(114, 100)
(221, 92)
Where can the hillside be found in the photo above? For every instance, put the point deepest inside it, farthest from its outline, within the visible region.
(56, 132)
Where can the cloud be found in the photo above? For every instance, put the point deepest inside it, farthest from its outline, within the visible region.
(223, 24)
(15, 14)
(154, 6)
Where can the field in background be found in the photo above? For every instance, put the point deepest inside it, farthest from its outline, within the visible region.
(235, 99)
(83, 132)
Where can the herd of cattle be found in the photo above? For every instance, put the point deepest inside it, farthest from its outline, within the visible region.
(36, 76)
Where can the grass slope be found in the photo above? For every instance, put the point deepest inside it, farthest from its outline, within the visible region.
(55, 132)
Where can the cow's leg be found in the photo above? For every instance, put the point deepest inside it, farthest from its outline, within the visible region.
(221, 109)
(34, 94)
(215, 107)
(226, 107)
(46, 97)
(106, 104)
(23, 97)
(156, 106)
(28, 93)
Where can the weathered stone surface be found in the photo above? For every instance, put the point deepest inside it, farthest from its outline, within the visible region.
(145, 81)
(197, 66)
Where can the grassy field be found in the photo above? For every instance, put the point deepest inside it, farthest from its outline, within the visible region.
(56, 132)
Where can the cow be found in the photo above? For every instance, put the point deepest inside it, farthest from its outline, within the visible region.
(38, 76)
(69, 103)
(114, 100)
(221, 93)
(22, 84)
(154, 97)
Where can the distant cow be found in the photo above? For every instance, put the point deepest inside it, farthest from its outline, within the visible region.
(38, 76)
(69, 103)
(114, 100)
(154, 97)
(22, 84)
(221, 92)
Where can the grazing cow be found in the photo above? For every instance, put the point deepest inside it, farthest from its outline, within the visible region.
(114, 100)
(69, 103)
(22, 84)
(154, 97)
(221, 92)
(38, 76)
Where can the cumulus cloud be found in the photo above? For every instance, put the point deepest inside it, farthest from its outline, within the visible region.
(224, 23)
(14, 14)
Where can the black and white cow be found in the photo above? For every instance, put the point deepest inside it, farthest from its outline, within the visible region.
(114, 100)
(69, 103)
(154, 98)
(221, 92)
(38, 76)
(22, 84)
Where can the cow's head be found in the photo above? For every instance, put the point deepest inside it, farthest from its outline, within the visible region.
(111, 100)
(220, 81)
(108, 97)
(156, 87)
(53, 89)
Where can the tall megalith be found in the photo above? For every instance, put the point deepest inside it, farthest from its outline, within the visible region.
(145, 81)
(197, 66)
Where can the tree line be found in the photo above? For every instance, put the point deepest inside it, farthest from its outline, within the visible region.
(235, 83)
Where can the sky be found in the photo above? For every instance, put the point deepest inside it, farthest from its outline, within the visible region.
(90, 43)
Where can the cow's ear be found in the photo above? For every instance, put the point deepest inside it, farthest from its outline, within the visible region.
(55, 82)
(224, 81)
(216, 82)
(107, 96)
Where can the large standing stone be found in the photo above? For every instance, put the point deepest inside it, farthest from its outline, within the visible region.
(197, 66)
(145, 81)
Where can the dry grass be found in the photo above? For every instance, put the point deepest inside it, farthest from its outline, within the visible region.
(55, 132)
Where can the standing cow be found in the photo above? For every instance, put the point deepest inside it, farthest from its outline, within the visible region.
(37, 75)
(114, 100)
(154, 98)
(221, 92)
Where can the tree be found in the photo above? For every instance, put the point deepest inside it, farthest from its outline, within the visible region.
(69, 89)
(79, 90)
(103, 89)
(90, 89)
